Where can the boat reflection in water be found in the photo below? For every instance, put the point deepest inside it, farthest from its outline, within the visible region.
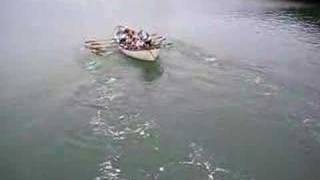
(150, 71)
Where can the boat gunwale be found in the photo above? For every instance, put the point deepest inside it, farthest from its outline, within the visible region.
(135, 50)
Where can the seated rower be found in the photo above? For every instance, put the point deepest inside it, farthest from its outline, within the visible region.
(143, 35)
(140, 44)
(146, 38)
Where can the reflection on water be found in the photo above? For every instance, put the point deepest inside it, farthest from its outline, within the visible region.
(150, 70)
(308, 16)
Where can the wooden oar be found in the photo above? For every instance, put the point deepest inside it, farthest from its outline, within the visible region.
(159, 42)
(98, 51)
(157, 37)
(98, 48)
(99, 40)
(169, 44)
(99, 43)
(101, 52)
(154, 34)
(95, 46)
(163, 45)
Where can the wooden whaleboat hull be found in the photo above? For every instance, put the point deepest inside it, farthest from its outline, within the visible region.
(145, 55)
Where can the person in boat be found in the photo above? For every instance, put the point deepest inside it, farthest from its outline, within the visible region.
(121, 34)
(146, 38)
(130, 39)
(140, 44)
(122, 38)
(143, 35)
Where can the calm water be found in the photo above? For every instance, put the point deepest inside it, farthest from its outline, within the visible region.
(237, 96)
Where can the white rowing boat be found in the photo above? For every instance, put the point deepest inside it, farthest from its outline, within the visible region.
(138, 45)
(146, 55)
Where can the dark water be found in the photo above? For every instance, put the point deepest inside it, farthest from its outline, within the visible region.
(237, 97)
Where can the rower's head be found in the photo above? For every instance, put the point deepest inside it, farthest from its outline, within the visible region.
(126, 30)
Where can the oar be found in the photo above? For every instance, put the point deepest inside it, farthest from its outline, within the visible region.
(158, 37)
(158, 42)
(101, 52)
(164, 45)
(94, 46)
(167, 44)
(100, 49)
(99, 40)
(94, 43)
(154, 34)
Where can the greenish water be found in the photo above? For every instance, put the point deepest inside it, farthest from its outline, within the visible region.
(236, 97)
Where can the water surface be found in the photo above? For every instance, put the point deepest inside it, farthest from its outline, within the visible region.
(236, 97)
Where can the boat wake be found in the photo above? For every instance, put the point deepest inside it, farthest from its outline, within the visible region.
(131, 136)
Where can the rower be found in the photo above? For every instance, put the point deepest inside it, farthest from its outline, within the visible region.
(145, 37)
(140, 44)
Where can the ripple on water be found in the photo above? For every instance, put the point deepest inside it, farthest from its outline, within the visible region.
(127, 129)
